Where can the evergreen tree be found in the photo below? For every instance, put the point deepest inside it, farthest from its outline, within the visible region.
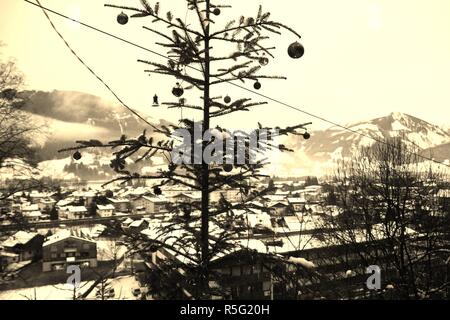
(54, 214)
(201, 230)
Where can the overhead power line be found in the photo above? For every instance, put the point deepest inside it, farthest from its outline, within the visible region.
(44, 9)
(87, 67)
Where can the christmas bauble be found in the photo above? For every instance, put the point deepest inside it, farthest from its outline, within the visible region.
(296, 50)
(77, 155)
(306, 136)
(227, 167)
(257, 85)
(177, 91)
(216, 11)
(263, 61)
(157, 191)
(227, 99)
(122, 18)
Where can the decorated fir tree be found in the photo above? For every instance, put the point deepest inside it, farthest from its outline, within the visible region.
(197, 231)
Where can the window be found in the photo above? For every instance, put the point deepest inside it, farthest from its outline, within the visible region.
(266, 286)
(246, 270)
(53, 248)
(54, 255)
(58, 267)
(86, 246)
(236, 271)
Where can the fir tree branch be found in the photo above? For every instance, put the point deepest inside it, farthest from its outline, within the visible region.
(157, 18)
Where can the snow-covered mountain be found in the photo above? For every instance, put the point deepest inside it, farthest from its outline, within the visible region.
(67, 116)
(64, 117)
(337, 141)
(316, 155)
(70, 116)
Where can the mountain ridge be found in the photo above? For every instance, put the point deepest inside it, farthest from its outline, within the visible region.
(106, 121)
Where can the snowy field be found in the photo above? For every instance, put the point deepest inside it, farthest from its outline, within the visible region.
(123, 287)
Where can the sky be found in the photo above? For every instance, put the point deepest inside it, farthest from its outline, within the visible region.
(363, 58)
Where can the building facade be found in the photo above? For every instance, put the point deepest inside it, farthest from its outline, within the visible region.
(60, 251)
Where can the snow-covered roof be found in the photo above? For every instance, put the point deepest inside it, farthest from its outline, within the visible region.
(92, 232)
(64, 202)
(105, 207)
(155, 199)
(139, 191)
(313, 187)
(63, 235)
(48, 200)
(76, 209)
(296, 200)
(128, 221)
(31, 207)
(36, 194)
(8, 254)
(20, 237)
(261, 219)
(272, 204)
(84, 194)
(32, 214)
(137, 223)
(186, 195)
(274, 197)
(302, 262)
(118, 200)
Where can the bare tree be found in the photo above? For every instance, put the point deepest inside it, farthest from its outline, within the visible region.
(390, 218)
(16, 130)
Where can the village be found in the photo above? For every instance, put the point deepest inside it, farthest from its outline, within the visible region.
(44, 232)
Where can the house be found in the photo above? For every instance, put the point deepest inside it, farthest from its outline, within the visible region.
(105, 210)
(26, 208)
(313, 193)
(37, 197)
(230, 194)
(443, 196)
(260, 220)
(151, 204)
(63, 249)
(7, 258)
(243, 275)
(138, 225)
(240, 273)
(126, 223)
(46, 204)
(185, 197)
(74, 212)
(84, 196)
(297, 204)
(120, 204)
(134, 193)
(26, 245)
(32, 216)
(278, 208)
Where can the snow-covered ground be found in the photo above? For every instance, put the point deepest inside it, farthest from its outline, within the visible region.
(123, 287)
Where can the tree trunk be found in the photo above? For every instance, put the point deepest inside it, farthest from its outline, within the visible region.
(205, 167)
